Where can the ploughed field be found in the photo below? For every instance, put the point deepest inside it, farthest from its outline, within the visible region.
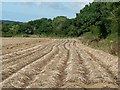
(55, 63)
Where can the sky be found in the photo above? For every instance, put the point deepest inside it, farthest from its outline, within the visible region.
(27, 11)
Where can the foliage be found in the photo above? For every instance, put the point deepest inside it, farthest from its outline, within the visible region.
(100, 19)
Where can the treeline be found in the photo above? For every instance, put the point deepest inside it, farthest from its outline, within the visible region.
(97, 19)
(60, 26)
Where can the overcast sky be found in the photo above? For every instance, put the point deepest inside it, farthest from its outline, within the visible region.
(26, 11)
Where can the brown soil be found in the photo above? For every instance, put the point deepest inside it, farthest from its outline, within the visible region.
(56, 63)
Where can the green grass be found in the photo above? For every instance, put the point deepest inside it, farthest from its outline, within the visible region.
(110, 44)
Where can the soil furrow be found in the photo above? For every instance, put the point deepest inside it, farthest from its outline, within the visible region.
(12, 69)
(49, 76)
(93, 74)
(74, 72)
(47, 68)
(17, 59)
(58, 63)
(108, 60)
(30, 71)
(96, 73)
(24, 53)
(106, 67)
(63, 73)
(105, 70)
(22, 46)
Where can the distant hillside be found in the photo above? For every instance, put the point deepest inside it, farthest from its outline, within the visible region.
(8, 21)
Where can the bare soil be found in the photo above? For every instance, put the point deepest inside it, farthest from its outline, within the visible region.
(55, 63)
